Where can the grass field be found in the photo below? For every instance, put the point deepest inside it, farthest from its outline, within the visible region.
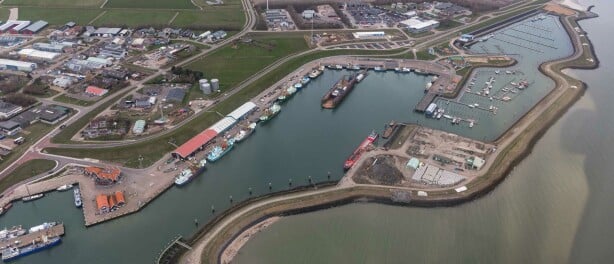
(147, 4)
(4, 14)
(58, 16)
(233, 64)
(25, 171)
(134, 18)
(212, 18)
(154, 149)
(69, 100)
(54, 3)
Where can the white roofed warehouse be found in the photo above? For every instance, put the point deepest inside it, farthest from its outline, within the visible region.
(15, 65)
(38, 54)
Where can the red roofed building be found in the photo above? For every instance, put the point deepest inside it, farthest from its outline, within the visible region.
(96, 91)
(102, 203)
(198, 142)
(103, 176)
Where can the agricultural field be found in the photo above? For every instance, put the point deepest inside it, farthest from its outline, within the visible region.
(4, 14)
(211, 18)
(54, 3)
(148, 4)
(235, 63)
(134, 18)
(59, 16)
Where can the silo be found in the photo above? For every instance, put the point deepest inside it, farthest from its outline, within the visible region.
(215, 85)
(204, 86)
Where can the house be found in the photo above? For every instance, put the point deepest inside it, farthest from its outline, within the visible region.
(102, 203)
(309, 14)
(218, 35)
(7, 110)
(10, 127)
(115, 74)
(175, 95)
(103, 176)
(95, 91)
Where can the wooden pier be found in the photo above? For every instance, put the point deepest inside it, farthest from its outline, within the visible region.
(57, 230)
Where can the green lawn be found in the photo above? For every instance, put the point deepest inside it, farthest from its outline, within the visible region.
(69, 100)
(424, 55)
(154, 149)
(134, 18)
(233, 64)
(25, 171)
(58, 16)
(54, 3)
(153, 4)
(4, 14)
(448, 24)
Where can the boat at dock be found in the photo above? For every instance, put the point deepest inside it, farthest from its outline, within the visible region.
(5, 208)
(321, 68)
(64, 187)
(221, 150)
(14, 252)
(13, 232)
(428, 86)
(390, 127)
(298, 85)
(32, 197)
(305, 80)
(77, 196)
(360, 77)
(405, 69)
(379, 69)
(41, 227)
(354, 68)
(358, 151)
(270, 112)
(339, 91)
(314, 74)
(184, 177)
(245, 132)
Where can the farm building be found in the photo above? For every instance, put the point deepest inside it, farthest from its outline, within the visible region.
(57, 48)
(175, 95)
(14, 26)
(369, 35)
(139, 127)
(38, 54)
(95, 91)
(17, 65)
(35, 27)
(416, 25)
(106, 32)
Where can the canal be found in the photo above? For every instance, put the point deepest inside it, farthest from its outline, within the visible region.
(555, 207)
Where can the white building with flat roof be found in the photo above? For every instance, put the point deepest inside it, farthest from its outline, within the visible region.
(38, 54)
(416, 25)
(16, 65)
(369, 35)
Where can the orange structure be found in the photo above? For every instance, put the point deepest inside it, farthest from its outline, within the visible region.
(104, 176)
(119, 197)
(102, 203)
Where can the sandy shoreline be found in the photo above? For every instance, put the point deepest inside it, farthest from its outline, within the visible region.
(231, 251)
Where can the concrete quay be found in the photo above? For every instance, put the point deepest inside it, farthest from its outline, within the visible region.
(54, 231)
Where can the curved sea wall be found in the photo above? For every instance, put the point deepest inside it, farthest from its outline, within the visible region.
(214, 237)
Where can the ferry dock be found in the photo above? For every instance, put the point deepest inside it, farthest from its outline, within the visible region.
(29, 238)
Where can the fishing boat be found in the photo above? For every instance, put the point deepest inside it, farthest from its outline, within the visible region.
(471, 124)
(221, 150)
(339, 91)
(314, 74)
(397, 69)
(298, 85)
(428, 86)
(305, 80)
(321, 68)
(406, 70)
(32, 197)
(5, 208)
(64, 187)
(379, 69)
(338, 67)
(244, 133)
(290, 91)
(14, 252)
(360, 77)
(270, 112)
(447, 116)
(355, 67)
(41, 227)
(77, 196)
(184, 177)
(359, 150)
(13, 232)
(282, 98)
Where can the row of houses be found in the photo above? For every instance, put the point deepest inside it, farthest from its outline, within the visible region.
(103, 176)
(22, 27)
(108, 203)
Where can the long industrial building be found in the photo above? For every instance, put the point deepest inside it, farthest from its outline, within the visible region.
(17, 65)
(199, 141)
(38, 54)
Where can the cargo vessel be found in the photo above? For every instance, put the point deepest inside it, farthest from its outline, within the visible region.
(270, 112)
(245, 132)
(221, 150)
(339, 91)
(77, 195)
(358, 151)
(390, 127)
(184, 177)
(13, 252)
(32, 197)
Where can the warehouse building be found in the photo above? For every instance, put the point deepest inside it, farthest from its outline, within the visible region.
(14, 26)
(139, 127)
(15, 65)
(57, 48)
(10, 127)
(106, 32)
(369, 35)
(35, 27)
(51, 114)
(175, 95)
(38, 54)
(416, 25)
(8, 110)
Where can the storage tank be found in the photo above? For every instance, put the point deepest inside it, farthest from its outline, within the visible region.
(206, 88)
(215, 85)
